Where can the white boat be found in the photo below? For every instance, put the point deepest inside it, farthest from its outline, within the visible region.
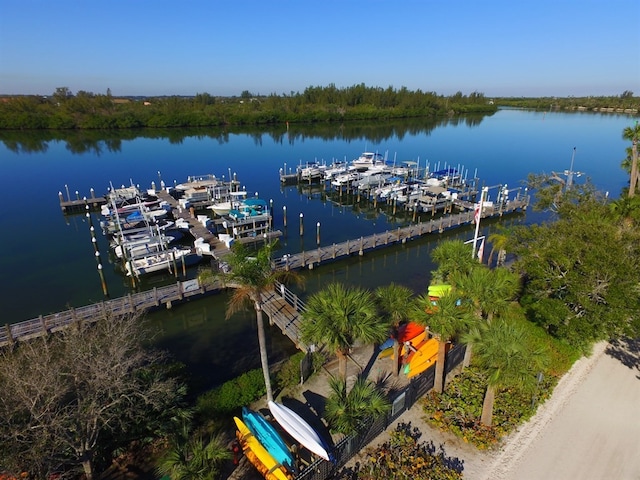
(299, 429)
(233, 200)
(367, 160)
(311, 171)
(335, 169)
(151, 243)
(163, 260)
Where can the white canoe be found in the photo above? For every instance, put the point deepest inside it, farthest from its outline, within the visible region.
(299, 429)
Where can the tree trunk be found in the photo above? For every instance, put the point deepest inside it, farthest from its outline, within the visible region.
(467, 356)
(439, 380)
(262, 342)
(634, 169)
(87, 466)
(487, 406)
(396, 357)
(342, 364)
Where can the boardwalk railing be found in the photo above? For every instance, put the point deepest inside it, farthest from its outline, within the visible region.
(390, 237)
(134, 302)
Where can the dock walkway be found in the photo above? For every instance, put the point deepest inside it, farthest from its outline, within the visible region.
(281, 305)
(401, 235)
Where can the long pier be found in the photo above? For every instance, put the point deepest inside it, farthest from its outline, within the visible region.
(281, 305)
(401, 235)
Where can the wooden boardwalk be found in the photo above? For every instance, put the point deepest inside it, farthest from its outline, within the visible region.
(281, 305)
(391, 237)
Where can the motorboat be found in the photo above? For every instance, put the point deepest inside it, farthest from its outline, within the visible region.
(232, 200)
(163, 260)
(367, 160)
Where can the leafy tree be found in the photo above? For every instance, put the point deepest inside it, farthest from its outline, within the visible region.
(499, 242)
(252, 276)
(67, 396)
(508, 356)
(348, 410)
(338, 316)
(447, 319)
(578, 282)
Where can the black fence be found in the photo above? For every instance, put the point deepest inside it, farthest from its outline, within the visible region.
(403, 400)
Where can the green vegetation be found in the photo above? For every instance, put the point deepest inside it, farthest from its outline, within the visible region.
(348, 410)
(404, 456)
(622, 102)
(338, 316)
(86, 110)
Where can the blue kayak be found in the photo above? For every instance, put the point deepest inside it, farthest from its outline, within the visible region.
(269, 437)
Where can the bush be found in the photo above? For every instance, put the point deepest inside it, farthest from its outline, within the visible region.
(231, 396)
(405, 457)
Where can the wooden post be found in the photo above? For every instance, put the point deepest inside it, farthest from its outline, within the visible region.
(155, 296)
(132, 307)
(44, 325)
(9, 335)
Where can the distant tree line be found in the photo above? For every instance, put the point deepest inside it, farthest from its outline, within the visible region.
(624, 101)
(87, 110)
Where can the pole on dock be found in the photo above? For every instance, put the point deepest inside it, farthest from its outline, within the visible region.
(301, 224)
(318, 233)
(94, 241)
(477, 217)
(284, 215)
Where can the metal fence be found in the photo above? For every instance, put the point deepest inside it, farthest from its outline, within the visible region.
(403, 400)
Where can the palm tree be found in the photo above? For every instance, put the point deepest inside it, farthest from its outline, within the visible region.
(490, 292)
(452, 257)
(508, 356)
(393, 301)
(632, 134)
(446, 320)
(499, 241)
(338, 316)
(194, 457)
(346, 411)
(251, 277)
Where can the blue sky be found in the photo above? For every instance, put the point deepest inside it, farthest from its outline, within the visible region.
(183, 47)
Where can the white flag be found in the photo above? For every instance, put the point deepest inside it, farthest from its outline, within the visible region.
(481, 251)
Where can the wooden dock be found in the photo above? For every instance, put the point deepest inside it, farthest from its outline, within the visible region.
(391, 237)
(281, 305)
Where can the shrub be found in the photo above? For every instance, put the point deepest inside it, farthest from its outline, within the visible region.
(231, 396)
(403, 456)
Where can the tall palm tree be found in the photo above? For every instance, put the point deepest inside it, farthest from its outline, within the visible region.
(632, 134)
(393, 301)
(490, 291)
(507, 354)
(452, 257)
(338, 316)
(346, 411)
(251, 275)
(446, 320)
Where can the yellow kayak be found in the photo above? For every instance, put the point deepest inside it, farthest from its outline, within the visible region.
(422, 359)
(258, 455)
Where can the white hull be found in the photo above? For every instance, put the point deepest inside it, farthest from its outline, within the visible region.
(160, 261)
(299, 429)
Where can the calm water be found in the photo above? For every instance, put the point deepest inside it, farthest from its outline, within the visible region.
(48, 263)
